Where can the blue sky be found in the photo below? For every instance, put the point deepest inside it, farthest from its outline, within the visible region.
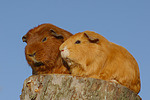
(124, 22)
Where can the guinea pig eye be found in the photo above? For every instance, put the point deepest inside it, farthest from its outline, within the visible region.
(44, 39)
(78, 42)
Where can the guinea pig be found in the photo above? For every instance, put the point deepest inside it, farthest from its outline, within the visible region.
(42, 49)
(88, 54)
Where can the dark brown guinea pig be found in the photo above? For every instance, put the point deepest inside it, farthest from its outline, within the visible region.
(42, 49)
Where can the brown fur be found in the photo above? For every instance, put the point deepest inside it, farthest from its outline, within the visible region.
(101, 59)
(46, 59)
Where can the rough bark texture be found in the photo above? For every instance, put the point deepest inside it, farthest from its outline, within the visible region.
(65, 87)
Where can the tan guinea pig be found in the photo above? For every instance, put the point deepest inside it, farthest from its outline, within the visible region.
(89, 54)
(42, 49)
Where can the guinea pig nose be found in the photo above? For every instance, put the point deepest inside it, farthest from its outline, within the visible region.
(32, 55)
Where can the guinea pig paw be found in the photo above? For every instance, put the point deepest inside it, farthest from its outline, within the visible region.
(113, 81)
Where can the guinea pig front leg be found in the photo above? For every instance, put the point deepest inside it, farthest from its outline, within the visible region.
(77, 71)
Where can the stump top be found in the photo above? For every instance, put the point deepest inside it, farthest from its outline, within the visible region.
(66, 87)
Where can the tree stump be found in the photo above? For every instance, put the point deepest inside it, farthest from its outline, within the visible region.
(66, 87)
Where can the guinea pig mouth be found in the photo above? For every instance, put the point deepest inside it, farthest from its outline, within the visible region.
(38, 64)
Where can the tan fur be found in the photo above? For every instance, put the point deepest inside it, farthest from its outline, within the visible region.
(102, 60)
(44, 56)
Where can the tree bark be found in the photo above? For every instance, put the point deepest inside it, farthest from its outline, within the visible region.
(66, 87)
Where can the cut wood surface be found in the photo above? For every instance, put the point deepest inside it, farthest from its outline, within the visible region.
(66, 87)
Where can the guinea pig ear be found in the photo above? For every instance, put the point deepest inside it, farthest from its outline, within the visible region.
(58, 36)
(91, 39)
(24, 38)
